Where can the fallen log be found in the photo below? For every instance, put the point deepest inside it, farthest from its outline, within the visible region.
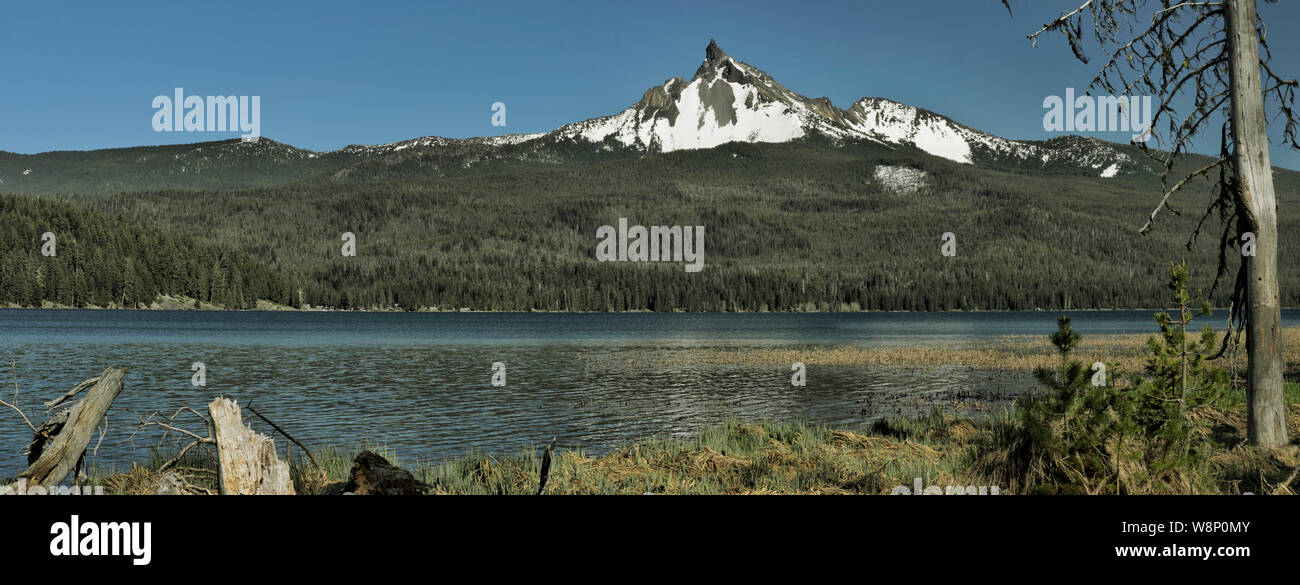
(59, 450)
(45, 434)
(246, 460)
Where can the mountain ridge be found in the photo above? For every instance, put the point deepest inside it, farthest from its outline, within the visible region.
(727, 100)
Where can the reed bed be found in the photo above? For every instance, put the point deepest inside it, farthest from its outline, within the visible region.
(1017, 353)
(730, 458)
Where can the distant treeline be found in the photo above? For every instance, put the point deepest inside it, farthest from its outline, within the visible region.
(789, 227)
(102, 260)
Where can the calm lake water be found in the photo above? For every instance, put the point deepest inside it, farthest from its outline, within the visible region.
(420, 383)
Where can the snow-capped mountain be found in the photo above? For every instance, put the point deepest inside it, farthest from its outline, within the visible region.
(731, 101)
(726, 101)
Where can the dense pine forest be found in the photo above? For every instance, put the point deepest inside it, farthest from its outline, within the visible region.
(790, 227)
(103, 261)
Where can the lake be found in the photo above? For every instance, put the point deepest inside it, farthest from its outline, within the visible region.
(420, 383)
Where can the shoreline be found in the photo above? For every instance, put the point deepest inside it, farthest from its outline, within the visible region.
(750, 458)
(758, 457)
(178, 305)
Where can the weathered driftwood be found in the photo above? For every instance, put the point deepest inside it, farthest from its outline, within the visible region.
(373, 475)
(246, 460)
(61, 442)
(73, 392)
(171, 484)
(45, 434)
(286, 434)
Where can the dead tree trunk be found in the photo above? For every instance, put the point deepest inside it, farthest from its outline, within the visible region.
(1266, 414)
(247, 463)
(60, 453)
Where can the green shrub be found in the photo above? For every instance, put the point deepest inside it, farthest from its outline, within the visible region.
(1087, 434)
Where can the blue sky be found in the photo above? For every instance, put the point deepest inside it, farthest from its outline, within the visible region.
(82, 75)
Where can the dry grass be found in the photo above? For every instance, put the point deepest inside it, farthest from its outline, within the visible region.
(731, 458)
(1020, 353)
(1242, 468)
(138, 481)
(771, 458)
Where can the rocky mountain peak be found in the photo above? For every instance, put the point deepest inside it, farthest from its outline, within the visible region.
(713, 53)
(716, 60)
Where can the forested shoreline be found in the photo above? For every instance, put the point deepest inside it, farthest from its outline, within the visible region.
(103, 261)
(790, 227)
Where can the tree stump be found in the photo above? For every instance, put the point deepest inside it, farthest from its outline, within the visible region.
(247, 463)
(373, 475)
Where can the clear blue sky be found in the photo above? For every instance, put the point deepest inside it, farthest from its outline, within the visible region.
(81, 75)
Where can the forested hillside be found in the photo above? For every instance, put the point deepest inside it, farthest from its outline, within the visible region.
(227, 164)
(797, 226)
(103, 261)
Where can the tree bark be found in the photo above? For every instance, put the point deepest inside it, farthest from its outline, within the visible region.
(61, 453)
(246, 460)
(1266, 414)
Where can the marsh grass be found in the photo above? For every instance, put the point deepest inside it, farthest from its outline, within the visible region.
(1018, 353)
(737, 457)
(730, 458)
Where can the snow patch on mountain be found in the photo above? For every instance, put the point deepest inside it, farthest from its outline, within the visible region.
(901, 180)
(902, 124)
(435, 142)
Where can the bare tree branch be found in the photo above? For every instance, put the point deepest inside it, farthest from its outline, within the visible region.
(14, 404)
(1164, 202)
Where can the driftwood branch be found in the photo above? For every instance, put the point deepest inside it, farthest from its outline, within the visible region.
(76, 390)
(63, 451)
(171, 425)
(249, 406)
(14, 404)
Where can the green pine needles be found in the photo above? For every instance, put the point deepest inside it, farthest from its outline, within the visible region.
(1094, 431)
